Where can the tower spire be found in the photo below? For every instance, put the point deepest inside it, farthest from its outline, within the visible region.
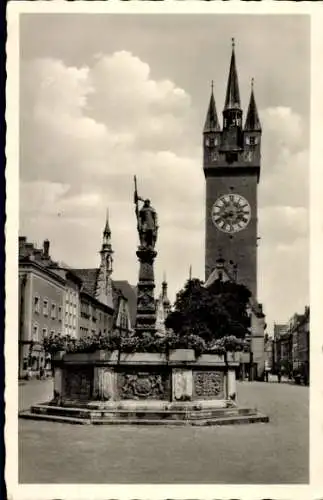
(232, 99)
(107, 230)
(164, 297)
(211, 123)
(103, 289)
(252, 119)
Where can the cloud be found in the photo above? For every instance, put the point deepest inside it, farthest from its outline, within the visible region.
(85, 131)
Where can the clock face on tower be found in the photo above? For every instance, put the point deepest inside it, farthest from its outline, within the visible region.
(231, 213)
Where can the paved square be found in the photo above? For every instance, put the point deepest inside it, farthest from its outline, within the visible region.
(272, 453)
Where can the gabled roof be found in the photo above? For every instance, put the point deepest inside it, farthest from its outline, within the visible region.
(120, 288)
(88, 277)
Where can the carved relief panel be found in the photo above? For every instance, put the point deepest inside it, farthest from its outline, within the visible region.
(143, 385)
(208, 384)
(78, 383)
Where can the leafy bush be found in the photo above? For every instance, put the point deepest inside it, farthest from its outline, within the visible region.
(211, 313)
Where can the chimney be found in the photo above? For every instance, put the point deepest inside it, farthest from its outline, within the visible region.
(22, 244)
(37, 254)
(46, 249)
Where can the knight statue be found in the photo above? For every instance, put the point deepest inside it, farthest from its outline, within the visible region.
(146, 221)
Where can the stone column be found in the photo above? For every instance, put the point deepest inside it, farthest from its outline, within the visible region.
(104, 384)
(231, 384)
(58, 375)
(146, 308)
(182, 384)
(58, 383)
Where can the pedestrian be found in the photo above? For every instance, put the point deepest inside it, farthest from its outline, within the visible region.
(279, 375)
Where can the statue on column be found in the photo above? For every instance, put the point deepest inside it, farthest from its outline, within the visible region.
(146, 221)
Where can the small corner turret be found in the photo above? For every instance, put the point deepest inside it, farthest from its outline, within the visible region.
(252, 130)
(211, 131)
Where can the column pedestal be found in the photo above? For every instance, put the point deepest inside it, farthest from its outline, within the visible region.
(146, 307)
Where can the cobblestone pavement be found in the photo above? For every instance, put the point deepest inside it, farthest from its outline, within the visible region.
(273, 453)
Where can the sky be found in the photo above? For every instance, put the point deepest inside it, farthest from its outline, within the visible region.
(107, 97)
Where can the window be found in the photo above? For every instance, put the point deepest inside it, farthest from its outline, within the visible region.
(53, 311)
(251, 140)
(60, 313)
(36, 304)
(45, 307)
(35, 333)
(44, 332)
(52, 332)
(207, 141)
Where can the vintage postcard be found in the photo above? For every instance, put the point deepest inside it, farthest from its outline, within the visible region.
(164, 242)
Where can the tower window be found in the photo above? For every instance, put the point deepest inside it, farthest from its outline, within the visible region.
(252, 141)
(207, 141)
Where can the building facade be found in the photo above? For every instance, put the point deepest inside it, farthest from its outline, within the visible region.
(291, 349)
(95, 318)
(41, 301)
(231, 164)
(58, 300)
(269, 353)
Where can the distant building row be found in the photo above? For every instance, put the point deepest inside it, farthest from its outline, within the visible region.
(288, 352)
(57, 300)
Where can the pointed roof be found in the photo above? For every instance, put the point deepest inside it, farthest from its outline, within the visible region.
(252, 120)
(211, 122)
(164, 297)
(107, 230)
(232, 98)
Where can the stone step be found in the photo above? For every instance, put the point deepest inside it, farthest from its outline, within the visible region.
(233, 420)
(54, 418)
(141, 414)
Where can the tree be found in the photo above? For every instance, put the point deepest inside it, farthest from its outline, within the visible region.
(211, 313)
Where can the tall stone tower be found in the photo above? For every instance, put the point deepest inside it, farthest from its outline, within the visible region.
(103, 290)
(231, 166)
